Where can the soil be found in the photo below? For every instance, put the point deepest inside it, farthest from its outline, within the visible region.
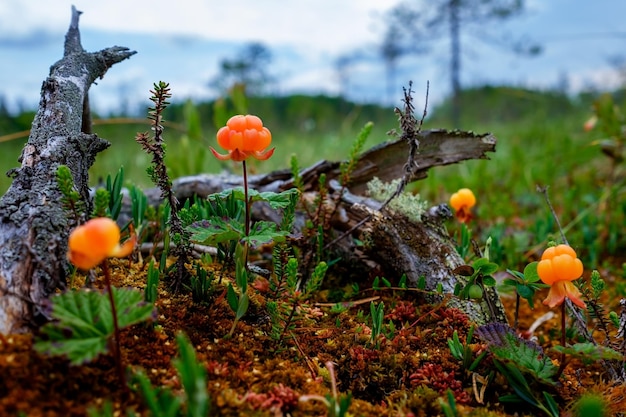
(404, 374)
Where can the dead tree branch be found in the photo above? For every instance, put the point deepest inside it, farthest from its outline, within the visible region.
(34, 227)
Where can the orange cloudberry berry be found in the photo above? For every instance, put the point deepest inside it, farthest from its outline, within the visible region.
(558, 267)
(462, 202)
(243, 137)
(96, 240)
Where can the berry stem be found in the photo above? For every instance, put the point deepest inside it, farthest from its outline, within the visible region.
(117, 354)
(247, 207)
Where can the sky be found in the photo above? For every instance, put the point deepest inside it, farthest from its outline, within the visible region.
(183, 43)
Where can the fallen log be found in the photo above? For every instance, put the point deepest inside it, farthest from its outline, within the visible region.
(400, 246)
(33, 224)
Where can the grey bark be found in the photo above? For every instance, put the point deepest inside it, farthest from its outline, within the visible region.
(33, 224)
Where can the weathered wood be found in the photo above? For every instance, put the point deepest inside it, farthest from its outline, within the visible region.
(33, 225)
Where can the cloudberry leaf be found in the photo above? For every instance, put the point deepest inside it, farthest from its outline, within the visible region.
(84, 322)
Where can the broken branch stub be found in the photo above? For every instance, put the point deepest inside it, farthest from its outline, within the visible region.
(33, 224)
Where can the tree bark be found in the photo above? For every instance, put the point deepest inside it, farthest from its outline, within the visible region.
(34, 226)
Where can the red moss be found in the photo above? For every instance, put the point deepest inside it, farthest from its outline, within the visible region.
(403, 311)
(434, 376)
(278, 400)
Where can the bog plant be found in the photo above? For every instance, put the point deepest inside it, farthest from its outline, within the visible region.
(86, 320)
(243, 137)
(462, 202)
(529, 371)
(154, 145)
(288, 302)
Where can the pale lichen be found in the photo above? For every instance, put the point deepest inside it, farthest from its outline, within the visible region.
(411, 205)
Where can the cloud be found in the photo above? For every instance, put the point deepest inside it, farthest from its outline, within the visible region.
(319, 25)
(36, 39)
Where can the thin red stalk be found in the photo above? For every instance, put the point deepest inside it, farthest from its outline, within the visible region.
(247, 206)
(245, 191)
(116, 346)
(562, 364)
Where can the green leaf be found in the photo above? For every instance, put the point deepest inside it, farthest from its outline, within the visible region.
(588, 352)
(193, 378)
(232, 297)
(530, 272)
(84, 322)
(525, 291)
(114, 187)
(263, 232)
(480, 262)
(216, 230)
(376, 283)
(402, 282)
(484, 267)
(552, 406)
(242, 306)
(517, 381)
(160, 401)
(241, 273)
(489, 281)
(521, 354)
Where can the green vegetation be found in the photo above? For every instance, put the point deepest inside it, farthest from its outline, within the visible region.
(541, 141)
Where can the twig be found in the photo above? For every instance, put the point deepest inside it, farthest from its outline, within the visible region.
(544, 191)
(410, 127)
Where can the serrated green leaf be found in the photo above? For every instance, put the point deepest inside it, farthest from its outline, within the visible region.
(521, 354)
(265, 232)
(84, 322)
(278, 200)
(275, 200)
(588, 352)
(216, 230)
